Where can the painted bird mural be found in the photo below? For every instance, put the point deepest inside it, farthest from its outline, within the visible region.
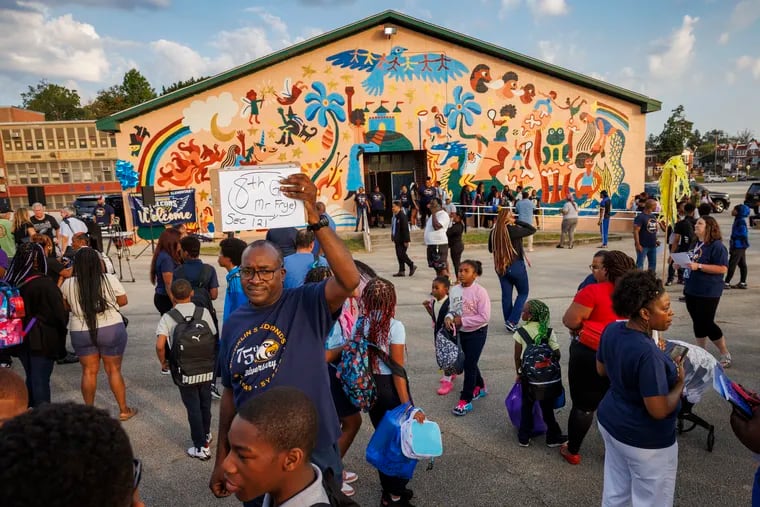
(434, 67)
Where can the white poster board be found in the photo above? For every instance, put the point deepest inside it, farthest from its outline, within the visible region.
(250, 198)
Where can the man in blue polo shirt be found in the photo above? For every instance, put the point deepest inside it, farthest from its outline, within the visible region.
(278, 338)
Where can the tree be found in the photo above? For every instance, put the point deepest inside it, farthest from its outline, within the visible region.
(744, 136)
(134, 89)
(178, 85)
(56, 101)
(652, 142)
(675, 134)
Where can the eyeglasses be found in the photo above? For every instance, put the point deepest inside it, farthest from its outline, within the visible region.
(265, 275)
(138, 472)
(594, 268)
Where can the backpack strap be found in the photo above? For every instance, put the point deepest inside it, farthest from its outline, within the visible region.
(198, 313)
(179, 273)
(396, 369)
(529, 340)
(176, 315)
(205, 276)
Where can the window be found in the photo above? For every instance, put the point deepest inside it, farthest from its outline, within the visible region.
(113, 142)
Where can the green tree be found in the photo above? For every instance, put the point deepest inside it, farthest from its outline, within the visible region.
(675, 134)
(178, 85)
(134, 89)
(56, 101)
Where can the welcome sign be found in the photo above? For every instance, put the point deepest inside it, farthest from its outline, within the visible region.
(171, 208)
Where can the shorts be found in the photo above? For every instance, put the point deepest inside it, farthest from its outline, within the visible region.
(111, 341)
(437, 255)
(343, 406)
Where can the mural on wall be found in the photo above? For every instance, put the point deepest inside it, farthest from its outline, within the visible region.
(478, 122)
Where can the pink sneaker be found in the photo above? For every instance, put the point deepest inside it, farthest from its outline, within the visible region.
(446, 387)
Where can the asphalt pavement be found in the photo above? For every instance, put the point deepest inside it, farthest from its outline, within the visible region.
(482, 463)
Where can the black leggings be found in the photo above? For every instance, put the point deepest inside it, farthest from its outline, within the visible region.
(702, 311)
(387, 399)
(587, 389)
(163, 303)
(737, 258)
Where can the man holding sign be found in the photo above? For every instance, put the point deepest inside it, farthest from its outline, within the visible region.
(278, 339)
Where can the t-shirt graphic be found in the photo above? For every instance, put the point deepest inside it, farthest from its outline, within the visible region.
(254, 367)
(361, 200)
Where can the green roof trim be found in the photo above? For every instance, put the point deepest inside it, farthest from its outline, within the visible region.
(647, 104)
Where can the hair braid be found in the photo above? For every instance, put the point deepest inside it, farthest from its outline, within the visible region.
(539, 312)
(503, 251)
(617, 263)
(377, 307)
(29, 257)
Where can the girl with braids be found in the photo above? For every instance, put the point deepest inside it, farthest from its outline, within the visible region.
(536, 329)
(637, 417)
(97, 327)
(586, 318)
(376, 324)
(505, 242)
(46, 338)
(469, 313)
(348, 414)
(165, 260)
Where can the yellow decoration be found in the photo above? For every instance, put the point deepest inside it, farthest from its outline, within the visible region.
(674, 185)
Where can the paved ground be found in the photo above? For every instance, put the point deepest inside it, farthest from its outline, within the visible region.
(482, 464)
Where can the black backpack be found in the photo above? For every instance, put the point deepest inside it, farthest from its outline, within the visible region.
(540, 364)
(192, 354)
(201, 295)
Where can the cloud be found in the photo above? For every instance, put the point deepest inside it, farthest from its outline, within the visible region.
(561, 52)
(113, 4)
(748, 63)
(723, 39)
(320, 3)
(676, 53)
(548, 50)
(730, 77)
(745, 14)
(37, 44)
(548, 7)
(197, 116)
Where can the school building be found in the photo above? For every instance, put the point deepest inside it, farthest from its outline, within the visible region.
(53, 162)
(388, 100)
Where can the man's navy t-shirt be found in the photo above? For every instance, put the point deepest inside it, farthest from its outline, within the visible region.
(282, 345)
(193, 268)
(637, 369)
(647, 231)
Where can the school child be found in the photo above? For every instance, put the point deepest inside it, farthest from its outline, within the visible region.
(271, 440)
(377, 325)
(469, 313)
(536, 328)
(437, 307)
(195, 397)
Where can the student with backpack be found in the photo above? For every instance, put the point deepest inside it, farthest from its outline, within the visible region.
(185, 345)
(469, 313)
(202, 276)
(385, 340)
(537, 363)
(437, 307)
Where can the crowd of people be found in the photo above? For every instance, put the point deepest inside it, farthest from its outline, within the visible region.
(287, 416)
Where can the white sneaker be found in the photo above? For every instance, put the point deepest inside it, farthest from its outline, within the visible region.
(201, 453)
(209, 438)
(349, 477)
(347, 490)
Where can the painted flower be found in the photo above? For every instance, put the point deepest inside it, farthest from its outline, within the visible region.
(463, 107)
(320, 103)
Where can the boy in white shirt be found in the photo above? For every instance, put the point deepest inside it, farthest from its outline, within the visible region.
(196, 397)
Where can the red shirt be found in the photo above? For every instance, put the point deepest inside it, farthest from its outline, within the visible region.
(598, 297)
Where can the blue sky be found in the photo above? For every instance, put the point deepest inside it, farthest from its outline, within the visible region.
(704, 54)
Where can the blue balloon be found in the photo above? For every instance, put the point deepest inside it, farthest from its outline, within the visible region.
(126, 174)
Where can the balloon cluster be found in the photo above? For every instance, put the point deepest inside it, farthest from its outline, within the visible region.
(125, 172)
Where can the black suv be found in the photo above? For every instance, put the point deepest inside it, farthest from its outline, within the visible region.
(84, 205)
(752, 199)
(722, 200)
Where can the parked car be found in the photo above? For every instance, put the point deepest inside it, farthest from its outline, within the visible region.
(714, 178)
(722, 200)
(752, 199)
(84, 205)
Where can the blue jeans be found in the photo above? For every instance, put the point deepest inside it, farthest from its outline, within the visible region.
(472, 345)
(650, 252)
(516, 277)
(605, 229)
(38, 370)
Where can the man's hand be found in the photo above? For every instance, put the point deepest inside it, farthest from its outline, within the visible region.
(299, 186)
(639, 248)
(406, 245)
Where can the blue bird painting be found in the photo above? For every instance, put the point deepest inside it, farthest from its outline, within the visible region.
(399, 65)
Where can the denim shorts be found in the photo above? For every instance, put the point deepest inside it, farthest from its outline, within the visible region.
(111, 341)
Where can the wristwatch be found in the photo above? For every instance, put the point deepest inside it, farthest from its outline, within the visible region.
(323, 222)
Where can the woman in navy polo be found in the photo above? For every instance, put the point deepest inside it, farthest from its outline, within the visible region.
(637, 417)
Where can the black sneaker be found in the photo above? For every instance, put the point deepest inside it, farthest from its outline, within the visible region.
(740, 285)
(70, 358)
(556, 441)
(215, 395)
(523, 441)
(412, 269)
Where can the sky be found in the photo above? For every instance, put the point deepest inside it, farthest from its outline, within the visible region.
(704, 54)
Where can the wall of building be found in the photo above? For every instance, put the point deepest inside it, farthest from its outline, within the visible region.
(16, 114)
(66, 158)
(477, 119)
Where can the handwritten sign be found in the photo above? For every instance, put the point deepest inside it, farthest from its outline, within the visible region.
(250, 198)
